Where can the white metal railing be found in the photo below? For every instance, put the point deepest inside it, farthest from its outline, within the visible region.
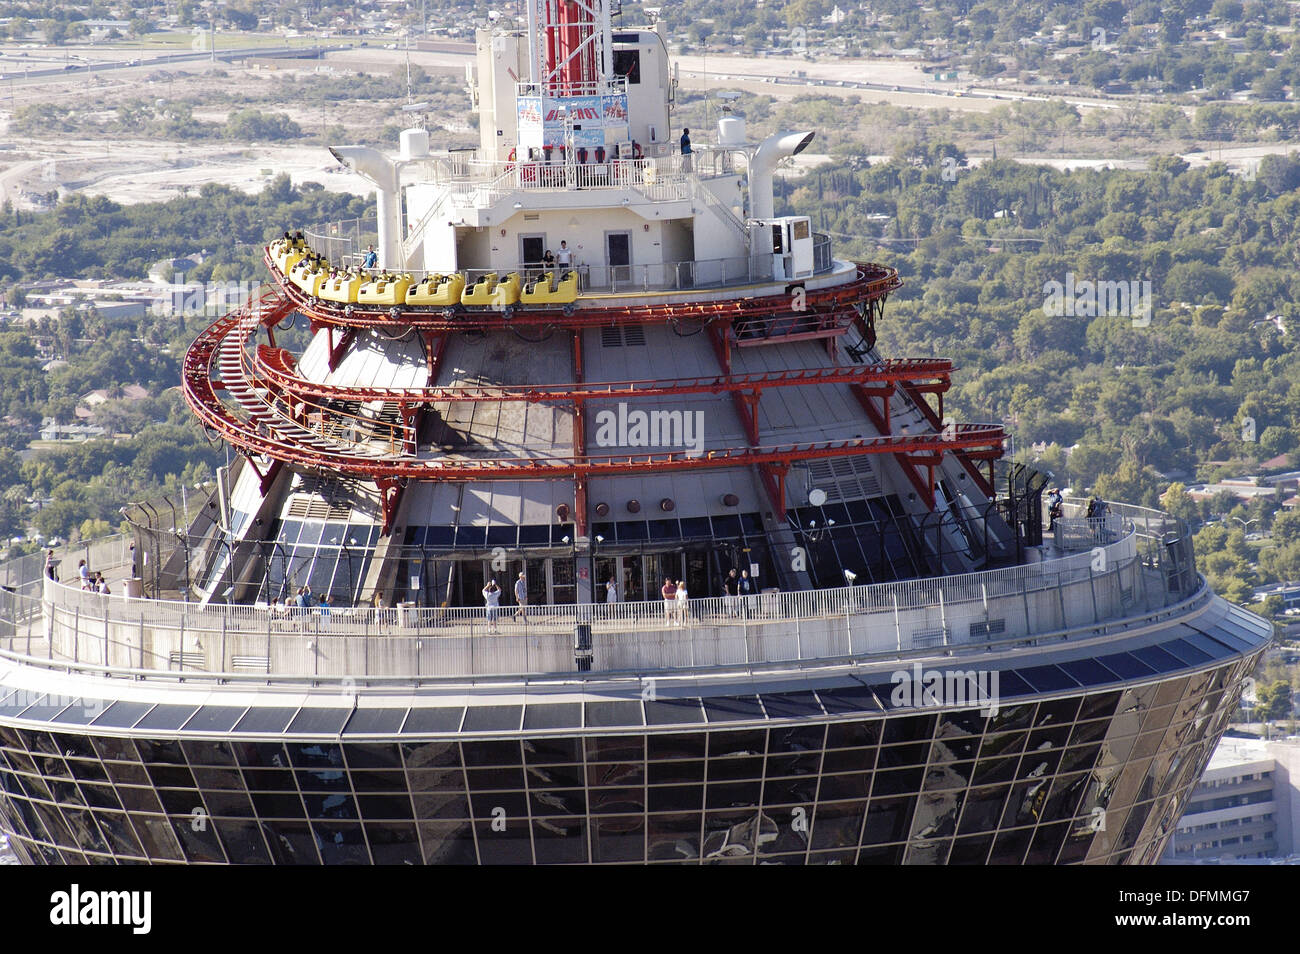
(970, 610)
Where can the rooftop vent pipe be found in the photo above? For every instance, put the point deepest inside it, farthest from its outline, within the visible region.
(771, 151)
(382, 171)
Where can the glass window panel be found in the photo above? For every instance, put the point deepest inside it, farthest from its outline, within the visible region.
(439, 720)
(791, 705)
(618, 838)
(319, 721)
(608, 748)
(673, 711)
(496, 779)
(613, 714)
(560, 841)
(165, 717)
(555, 776)
(449, 843)
(1047, 678)
(1126, 665)
(675, 798)
(392, 844)
(215, 718)
(553, 716)
(677, 745)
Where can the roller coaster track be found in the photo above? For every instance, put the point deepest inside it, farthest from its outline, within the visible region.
(277, 366)
(259, 431)
(838, 304)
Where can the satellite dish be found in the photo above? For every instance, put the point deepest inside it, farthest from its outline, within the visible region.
(817, 497)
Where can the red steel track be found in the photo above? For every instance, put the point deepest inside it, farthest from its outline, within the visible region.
(275, 365)
(259, 438)
(265, 411)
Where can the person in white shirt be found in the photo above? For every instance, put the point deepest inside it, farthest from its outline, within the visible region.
(563, 258)
(682, 597)
(492, 603)
(611, 591)
(521, 595)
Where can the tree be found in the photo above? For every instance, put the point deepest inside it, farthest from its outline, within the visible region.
(1179, 503)
(1273, 700)
(56, 31)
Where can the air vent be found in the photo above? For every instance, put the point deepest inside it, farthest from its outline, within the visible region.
(992, 627)
(928, 638)
(844, 478)
(320, 498)
(631, 336)
(177, 660)
(250, 663)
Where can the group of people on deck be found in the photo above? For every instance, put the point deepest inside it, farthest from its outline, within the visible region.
(736, 587)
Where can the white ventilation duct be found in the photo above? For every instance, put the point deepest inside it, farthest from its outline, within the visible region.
(770, 152)
(382, 171)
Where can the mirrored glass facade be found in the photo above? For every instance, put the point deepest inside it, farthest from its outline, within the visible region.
(827, 776)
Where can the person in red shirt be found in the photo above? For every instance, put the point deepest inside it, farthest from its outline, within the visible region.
(669, 591)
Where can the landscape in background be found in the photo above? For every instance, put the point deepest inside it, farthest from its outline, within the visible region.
(1033, 170)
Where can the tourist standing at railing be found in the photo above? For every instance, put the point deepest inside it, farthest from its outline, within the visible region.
(521, 595)
(1054, 507)
(731, 591)
(746, 591)
(50, 564)
(669, 592)
(611, 591)
(83, 571)
(681, 596)
(563, 258)
(492, 603)
(686, 150)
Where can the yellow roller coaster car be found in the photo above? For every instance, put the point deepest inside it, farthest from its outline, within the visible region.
(480, 293)
(544, 293)
(309, 275)
(444, 290)
(342, 288)
(386, 289)
(507, 292)
(286, 255)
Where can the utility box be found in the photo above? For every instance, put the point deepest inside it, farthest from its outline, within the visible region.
(790, 240)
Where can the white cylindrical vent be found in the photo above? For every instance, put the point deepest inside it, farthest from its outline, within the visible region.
(731, 131)
(415, 143)
(771, 151)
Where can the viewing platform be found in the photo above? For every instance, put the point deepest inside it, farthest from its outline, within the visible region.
(1128, 570)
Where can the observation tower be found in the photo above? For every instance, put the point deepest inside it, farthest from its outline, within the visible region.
(584, 363)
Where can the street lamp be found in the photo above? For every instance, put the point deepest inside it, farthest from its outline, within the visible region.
(1245, 524)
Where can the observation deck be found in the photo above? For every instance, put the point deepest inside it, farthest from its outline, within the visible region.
(1102, 580)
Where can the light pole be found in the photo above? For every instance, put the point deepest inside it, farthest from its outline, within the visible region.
(1245, 524)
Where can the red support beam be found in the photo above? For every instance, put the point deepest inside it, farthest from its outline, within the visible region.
(746, 403)
(390, 496)
(579, 445)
